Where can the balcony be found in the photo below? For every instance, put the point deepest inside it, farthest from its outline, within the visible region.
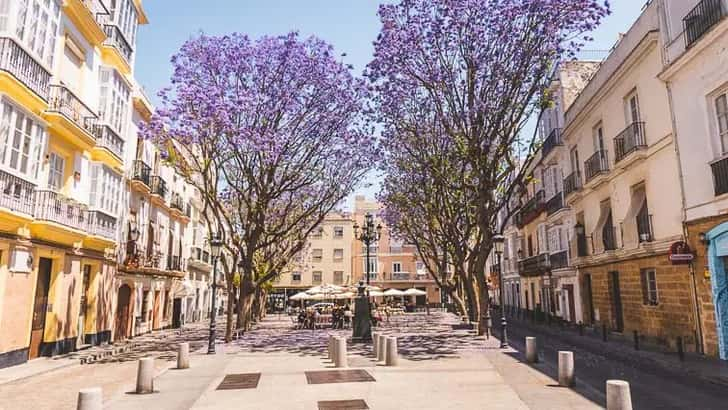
(25, 69)
(174, 262)
(77, 121)
(572, 183)
(551, 142)
(720, 175)
(159, 187)
(701, 19)
(531, 209)
(53, 207)
(88, 16)
(555, 204)
(559, 259)
(102, 225)
(630, 140)
(534, 265)
(596, 165)
(199, 256)
(609, 238)
(121, 50)
(401, 276)
(17, 195)
(177, 203)
(141, 173)
(109, 140)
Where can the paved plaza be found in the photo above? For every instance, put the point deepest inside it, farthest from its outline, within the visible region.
(439, 368)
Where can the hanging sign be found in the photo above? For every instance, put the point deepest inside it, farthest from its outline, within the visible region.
(680, 253)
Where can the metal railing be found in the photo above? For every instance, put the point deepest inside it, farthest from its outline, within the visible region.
(174, 262)
(644, 227)
(16, 194)
(53, 207)
(531, 209)
(141, 172)
(559, 259)
(159, 186)
(596, 164)
(107, 138)
(16, 61)
(555, 204)
(720, 176)
(102, 225)
(629, 140)
(551, 142)
(176, 202)
(534, 265)
(116, 39)
(701, 19)
(609, 238)
(99, 10)
(582, 247)
(572, 183)
(65, 102)
(401, 276)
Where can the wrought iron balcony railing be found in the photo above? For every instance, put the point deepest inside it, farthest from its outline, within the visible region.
(99, 10)
(555, 204)
(107, 138)
(720, 176)
(116, 39)
(401, 276)
(102, 225)
(629, 140)
(159, 186)
(559, 259)
(141, 172)
(701, 19)
(551, 142)
(53, 207)
(597, 164)
(572, 183)
(21, 65)
(16, 194)
(65, 102)
(174, 263)
(531, 209)
(534, 265)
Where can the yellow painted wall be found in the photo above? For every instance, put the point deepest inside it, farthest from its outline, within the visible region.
(17, 300)
(64, 295)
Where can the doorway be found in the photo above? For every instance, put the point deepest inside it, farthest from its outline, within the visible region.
(155, 311)
(177, 313)
(570, 303)
(122, 313)
(83, 309)
(718, 262)
(40, 306)
(616, 294)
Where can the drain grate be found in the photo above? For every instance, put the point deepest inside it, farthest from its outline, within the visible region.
(343, 405)
(239, 381)
(339, 376)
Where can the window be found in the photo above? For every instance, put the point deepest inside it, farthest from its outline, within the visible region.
(338, 232)
(574, 155)
(632, 107)
(396, 267)
(317, 278)
(105, 190)
(56, 164)
(338, 277)
(318, 255)
(38, 27)
(20, 141)
(72, 65)
(721, 110)
(125, 16)
(317, 233)
(419, 266)
(338, 254)
(296, 276)
(599, 140)
(649, 287)
(113, 99)
(372, 264)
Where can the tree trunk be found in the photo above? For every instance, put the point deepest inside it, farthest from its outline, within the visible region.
(484, 307)
(459, 304)
(239, 309)
(229, 318)
(247, 296)
(472, 299)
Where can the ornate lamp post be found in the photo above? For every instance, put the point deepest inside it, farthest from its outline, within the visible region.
(369, 233)
(498, 249)
(215, 248)
(362, 312)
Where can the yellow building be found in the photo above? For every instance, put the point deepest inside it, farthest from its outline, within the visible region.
(65, 106)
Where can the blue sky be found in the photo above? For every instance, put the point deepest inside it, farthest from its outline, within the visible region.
(350, 25)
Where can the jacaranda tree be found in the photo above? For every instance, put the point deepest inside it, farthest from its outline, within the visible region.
(471, 73)
(273, 135)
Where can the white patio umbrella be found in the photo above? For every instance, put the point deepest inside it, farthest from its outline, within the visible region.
(345, 295)
(414, 292)
(393, 292)
(300, 296)
(375, 293)
(318, 296)
(325, 289)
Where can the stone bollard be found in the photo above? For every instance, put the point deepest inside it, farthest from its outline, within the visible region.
(183, 356)
(531, 350)
(145, 376)
(392, 357)
(341, 359)
(618, 395)
(566, 368)
(331, 347)
(375, 343)
(90, 399)
(382, 348)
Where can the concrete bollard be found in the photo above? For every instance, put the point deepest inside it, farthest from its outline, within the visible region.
(341, 359)
(618, 395)
(566, 368)
(375, 343)
(392, 356)
(331, 347)
(145, 376)
(90, 399)
(531, 350)
(183, 356)
(382, 348)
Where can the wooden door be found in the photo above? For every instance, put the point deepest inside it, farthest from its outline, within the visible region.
(155, 311)
(122, 313)
(40, 306)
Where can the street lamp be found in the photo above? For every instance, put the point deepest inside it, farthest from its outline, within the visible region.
(369, 234)
(498, 241)
(215, 248)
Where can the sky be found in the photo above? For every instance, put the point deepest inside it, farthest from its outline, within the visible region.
(350, 25)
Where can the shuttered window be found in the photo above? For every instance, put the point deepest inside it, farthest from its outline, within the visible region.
(648, 279)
